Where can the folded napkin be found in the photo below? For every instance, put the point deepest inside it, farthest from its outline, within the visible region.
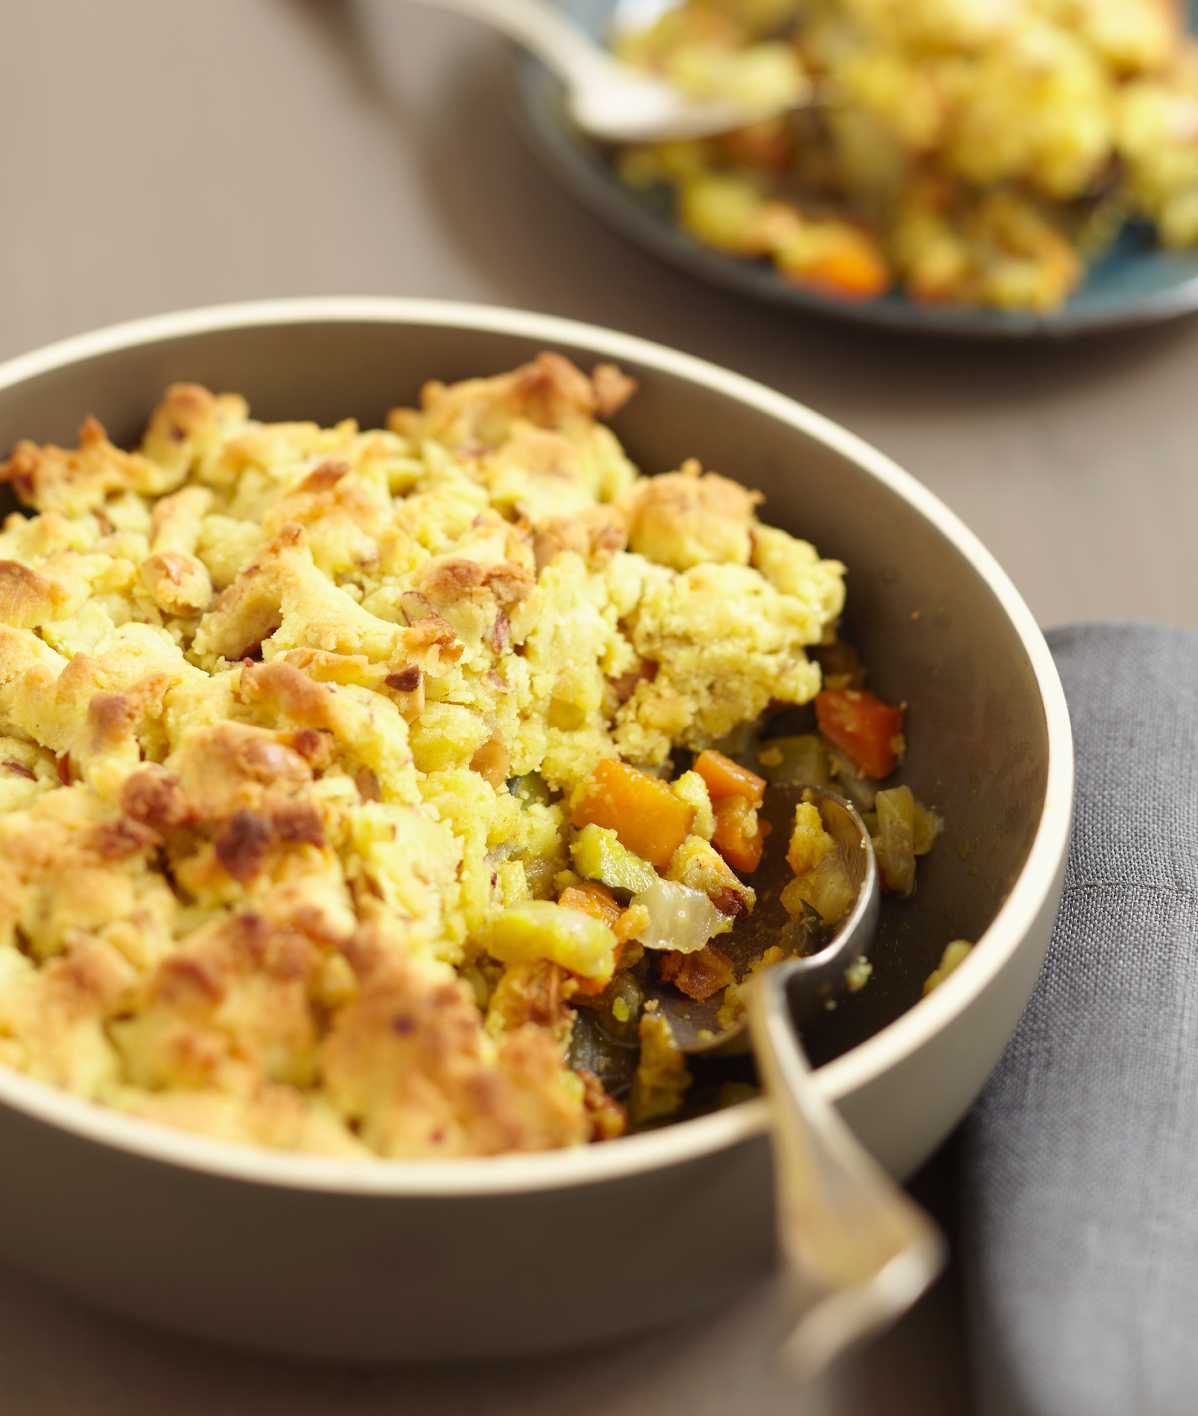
(1079, 1167)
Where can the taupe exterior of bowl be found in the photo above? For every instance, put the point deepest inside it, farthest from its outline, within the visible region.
(412, 1262)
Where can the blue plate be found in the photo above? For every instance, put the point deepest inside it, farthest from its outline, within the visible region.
(1135, 283)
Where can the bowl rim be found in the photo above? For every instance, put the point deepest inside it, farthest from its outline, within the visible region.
(686, 1140)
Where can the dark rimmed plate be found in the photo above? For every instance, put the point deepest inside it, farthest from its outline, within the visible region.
(1136, 283)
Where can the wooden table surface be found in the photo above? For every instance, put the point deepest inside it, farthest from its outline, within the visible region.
(157, 156)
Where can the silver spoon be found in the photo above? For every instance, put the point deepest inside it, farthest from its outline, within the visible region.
(861, 1251)
(608, 99)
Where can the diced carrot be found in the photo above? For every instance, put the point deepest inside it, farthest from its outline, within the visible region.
(643, 812)
(868, 731)
(842, 259)
(698, 975)
(853, 271)
(592, 899)
(726, 778)
(739, 836)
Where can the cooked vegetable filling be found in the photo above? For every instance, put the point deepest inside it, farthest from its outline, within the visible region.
(356, 783)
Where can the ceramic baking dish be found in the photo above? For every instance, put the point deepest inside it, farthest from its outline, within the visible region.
(458, 1260)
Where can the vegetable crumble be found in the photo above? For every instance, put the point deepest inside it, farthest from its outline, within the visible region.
(342, 770)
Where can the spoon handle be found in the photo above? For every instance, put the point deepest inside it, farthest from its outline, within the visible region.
(540, 27)
(861, 1251)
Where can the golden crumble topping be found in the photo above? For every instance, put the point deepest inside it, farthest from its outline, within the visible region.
(291, 721)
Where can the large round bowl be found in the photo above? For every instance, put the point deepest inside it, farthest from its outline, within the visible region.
(434, 1260)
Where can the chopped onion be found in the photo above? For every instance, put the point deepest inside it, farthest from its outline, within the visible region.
(680, 918)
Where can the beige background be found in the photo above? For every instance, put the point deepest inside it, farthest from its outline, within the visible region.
(158, 155)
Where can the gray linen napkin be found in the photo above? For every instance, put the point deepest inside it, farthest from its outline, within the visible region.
(1079, 1167)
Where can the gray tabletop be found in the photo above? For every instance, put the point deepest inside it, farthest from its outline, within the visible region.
(158, 156)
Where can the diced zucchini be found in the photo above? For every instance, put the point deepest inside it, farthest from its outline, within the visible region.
(531, 789)
(599, 855)
(541, 929)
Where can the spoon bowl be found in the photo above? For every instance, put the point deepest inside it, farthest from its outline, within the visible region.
(817, 977)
